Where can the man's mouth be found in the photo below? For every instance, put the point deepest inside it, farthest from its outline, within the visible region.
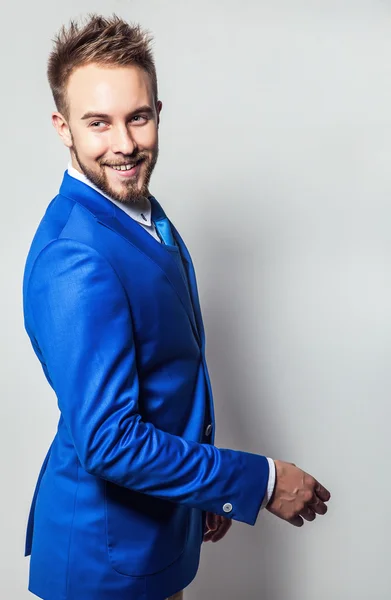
(127, 169)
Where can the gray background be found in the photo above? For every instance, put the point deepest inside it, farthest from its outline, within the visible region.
(274, 165)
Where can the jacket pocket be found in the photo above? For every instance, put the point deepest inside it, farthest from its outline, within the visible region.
(144, 534)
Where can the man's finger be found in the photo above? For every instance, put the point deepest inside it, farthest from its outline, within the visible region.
(322, 493)
(221, 531)
(308, 514)
(208, 536)
(318, 506)
(296, 521)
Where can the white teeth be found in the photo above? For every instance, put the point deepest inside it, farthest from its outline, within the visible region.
(124, 167)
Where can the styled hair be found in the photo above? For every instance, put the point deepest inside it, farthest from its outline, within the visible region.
(107, 41)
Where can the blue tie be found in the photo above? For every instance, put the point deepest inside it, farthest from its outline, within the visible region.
(164, 231)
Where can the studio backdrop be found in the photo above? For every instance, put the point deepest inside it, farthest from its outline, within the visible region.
(275, 153)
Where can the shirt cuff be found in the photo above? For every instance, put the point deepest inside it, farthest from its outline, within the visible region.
(270, 484)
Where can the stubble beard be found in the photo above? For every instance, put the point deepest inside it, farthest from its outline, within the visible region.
(132, 194)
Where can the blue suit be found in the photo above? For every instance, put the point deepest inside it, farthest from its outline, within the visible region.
(119, 508)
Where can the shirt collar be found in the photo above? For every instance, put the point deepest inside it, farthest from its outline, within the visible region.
(141, 214)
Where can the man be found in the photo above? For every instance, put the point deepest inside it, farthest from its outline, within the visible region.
(132, 483)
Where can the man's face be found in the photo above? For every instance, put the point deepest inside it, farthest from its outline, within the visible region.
(112, 125)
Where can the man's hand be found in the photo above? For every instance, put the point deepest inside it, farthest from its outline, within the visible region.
(297, 495)
(216, 527)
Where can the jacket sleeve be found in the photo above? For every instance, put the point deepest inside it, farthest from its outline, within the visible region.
(82, 324)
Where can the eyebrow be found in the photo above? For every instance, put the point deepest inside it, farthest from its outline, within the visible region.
(96, 115)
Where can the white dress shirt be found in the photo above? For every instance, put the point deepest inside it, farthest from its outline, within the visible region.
(142, 214)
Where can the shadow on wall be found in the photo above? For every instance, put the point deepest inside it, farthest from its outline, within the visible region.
(249, 562)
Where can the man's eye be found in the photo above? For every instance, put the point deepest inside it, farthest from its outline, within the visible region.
(139, 119)
(96, 124)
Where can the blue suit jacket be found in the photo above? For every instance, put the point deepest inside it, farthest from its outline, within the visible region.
(118, 511)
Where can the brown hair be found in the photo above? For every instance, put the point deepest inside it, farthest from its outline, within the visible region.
(102, 40)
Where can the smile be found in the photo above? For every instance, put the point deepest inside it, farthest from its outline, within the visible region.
(127, 170)
(124, 167)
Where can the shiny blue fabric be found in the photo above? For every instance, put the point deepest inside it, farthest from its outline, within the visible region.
(119, 507)
(162, 225)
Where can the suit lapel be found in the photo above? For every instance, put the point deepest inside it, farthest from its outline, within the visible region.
(188, 263)
(111, 216)
(158, 213)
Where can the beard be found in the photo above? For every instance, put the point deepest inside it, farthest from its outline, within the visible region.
(131, 192)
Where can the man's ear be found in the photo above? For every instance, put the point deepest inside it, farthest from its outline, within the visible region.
(159, 106)
(62, 127)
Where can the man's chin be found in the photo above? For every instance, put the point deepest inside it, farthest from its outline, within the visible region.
(126, 190)
(128, 196)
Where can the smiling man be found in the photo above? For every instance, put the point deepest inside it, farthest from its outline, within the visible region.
(132, 483)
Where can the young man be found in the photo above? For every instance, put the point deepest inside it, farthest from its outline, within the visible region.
(132, 483)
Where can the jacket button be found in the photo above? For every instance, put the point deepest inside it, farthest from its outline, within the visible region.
(227, 507)
(208, 430)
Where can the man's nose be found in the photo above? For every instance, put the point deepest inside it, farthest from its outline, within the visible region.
(122, 141)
